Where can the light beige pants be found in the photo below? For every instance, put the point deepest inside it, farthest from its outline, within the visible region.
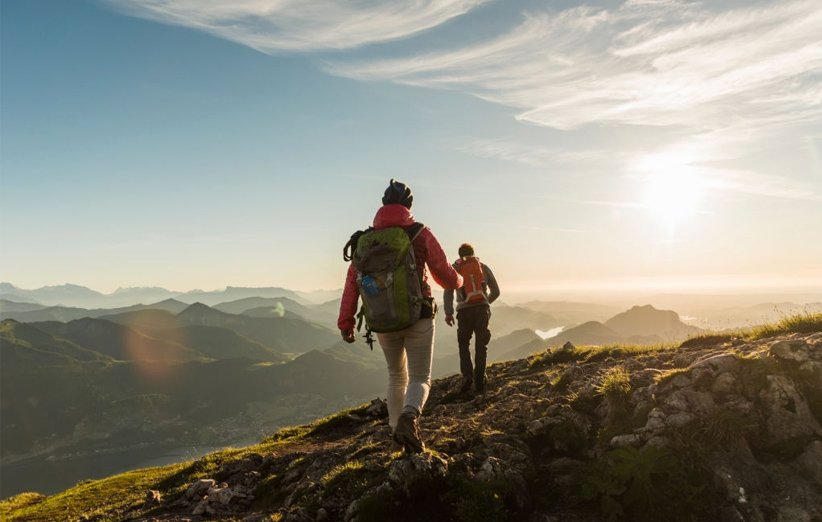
(408, 353)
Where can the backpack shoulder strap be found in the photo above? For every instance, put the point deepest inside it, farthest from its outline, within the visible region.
(414, 230)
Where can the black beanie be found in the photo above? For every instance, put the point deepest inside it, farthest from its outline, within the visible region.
(398, 192)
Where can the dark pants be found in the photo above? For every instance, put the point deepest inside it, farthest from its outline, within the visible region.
(473, 320)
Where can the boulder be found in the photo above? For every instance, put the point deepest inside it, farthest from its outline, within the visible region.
(796, 351)
(378, 409)
(153, 499)
(626, 440)
(418, 466)
(725, 383)
(199, 488)
(787, 415)
(810, 462)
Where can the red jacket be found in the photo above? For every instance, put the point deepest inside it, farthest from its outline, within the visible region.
(427, 251)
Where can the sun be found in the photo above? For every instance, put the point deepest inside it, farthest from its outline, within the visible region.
(672, 188)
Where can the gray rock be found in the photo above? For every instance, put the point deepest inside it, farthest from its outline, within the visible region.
(658, 442)
(656, 421)
(302, 489)
(377, 409)
(419, 466)
(812, 371)
(221, 494)
(624, 441)
(725, 383)
(811, 461)
(699, 402)
(322, 515)
(676, 401)
(680, 380)
(153, 499)
(201, 507)
(540, 426)
(689, 400)
(493, 468)
(787, 414)
(797, 351)
(678, 420)
(718, 363)
(199, 488)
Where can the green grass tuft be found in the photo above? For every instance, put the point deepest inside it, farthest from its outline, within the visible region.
(615, 383)
(802, 323)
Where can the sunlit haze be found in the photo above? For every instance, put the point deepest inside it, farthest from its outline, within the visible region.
(582, 147)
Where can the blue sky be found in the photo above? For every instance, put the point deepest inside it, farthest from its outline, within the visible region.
(196, 144)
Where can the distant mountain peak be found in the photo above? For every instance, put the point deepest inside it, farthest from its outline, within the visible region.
(198, 307)
(646, 320)
(133, 289)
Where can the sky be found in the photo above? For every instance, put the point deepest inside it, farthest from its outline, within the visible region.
(580, 146)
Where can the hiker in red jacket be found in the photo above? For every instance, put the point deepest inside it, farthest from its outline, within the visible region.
(479, 290)
(408, 352)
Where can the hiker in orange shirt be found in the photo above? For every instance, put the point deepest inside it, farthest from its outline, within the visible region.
(479, 290)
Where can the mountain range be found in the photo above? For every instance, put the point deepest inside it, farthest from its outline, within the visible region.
(81, 374)
(70, 295)
(642, 325)
(79, 381)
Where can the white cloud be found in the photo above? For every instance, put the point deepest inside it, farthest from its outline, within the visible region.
(733, 80)
(272, 26)
(653, 63)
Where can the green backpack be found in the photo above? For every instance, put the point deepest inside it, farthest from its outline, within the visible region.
(387, 278)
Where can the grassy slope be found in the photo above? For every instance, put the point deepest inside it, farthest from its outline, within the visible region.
(113, 497)
(109, 499)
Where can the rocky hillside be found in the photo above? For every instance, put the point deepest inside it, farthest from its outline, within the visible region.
(722, 428)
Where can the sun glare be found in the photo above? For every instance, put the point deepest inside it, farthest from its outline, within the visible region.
(672, 188)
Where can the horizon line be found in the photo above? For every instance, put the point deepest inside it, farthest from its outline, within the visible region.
(683, 285)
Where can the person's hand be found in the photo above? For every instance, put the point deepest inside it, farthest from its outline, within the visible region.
(449, 320)
(347, 335)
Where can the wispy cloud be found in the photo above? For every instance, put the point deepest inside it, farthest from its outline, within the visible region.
(272, 26)
(533, 156)
(655, 63)
(504, 150)
(732, 79)
(757, 184)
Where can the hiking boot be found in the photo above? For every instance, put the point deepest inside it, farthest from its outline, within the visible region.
(466, 384)
(407, 433)
(394, 446)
